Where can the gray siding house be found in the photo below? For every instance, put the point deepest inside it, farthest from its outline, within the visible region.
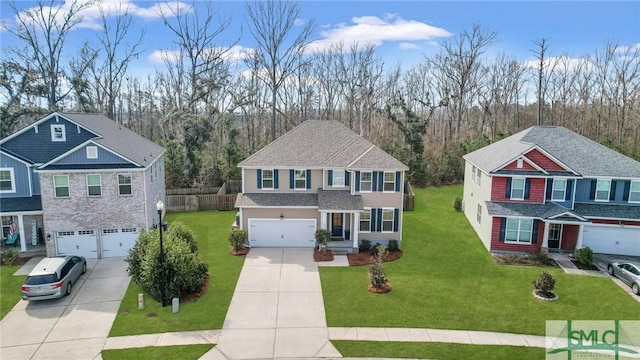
(79, 184)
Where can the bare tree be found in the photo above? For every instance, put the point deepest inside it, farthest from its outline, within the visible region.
(540, 55)
(272, 25)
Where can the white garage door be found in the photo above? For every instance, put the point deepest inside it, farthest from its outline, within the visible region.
(282, 233)
(117, 242)
(78, 242)
(618, 240)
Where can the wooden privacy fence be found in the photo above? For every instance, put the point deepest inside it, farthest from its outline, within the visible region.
(196, 200)
(409, 197)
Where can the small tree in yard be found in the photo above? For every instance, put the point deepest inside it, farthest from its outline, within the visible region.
(322, 237)
(237, 239)
(545, 284)
(585, 256)
(376, 271)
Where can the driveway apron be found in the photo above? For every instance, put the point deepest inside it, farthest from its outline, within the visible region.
(277, 309)
(72, 327)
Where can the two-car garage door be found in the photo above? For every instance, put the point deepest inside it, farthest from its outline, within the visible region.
(618, 240)
(282, 233)
(115, 242)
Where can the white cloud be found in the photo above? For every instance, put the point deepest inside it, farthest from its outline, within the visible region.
(233, 54)
(299, 22)
(628, 48)
(408, 46)
(376, 30)
(559, 62)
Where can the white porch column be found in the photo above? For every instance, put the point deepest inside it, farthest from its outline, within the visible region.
(545, 239)
(355, 229)
(23, 240)
(323, 220)
(579, 242)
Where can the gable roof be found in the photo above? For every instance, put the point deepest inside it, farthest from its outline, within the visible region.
(574, 151)
(322, 144)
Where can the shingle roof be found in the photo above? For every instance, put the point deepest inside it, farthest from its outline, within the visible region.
(339, 200)
(17, 204)
(118, 138)
(542, 211)
(584, 156)
(276, 200)
(608, 211)
(322, 144)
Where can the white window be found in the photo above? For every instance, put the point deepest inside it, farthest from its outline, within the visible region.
(517, 189)
(92, 152)
(300, 178)
(94, 185)
(387, 220)
(129, 230)
(152, 166)
(7, 181)
(267, 179)
(602, 190)
(109, 231)
(365, 221)
(478, 176)
(634, 191)
(519, 230)
(85, 232)
(479, 214)
(7, 221)
(389, 182)
(473, 174)
(58, 133)
(61, 186)
(66, 233)
(365, 181)
(558, 190)
(338, 178)
(519, 163)
(124, 184)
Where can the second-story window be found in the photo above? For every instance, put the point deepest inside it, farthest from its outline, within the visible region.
(602, 190)
(338, 178)
(267, 179)
(634, 191)
(559, 188)
(124, 184)
(94, 185)
(300, 179)
(61, 186)
(389, 181)
(6, 180)
(365, 181)
(517, 189)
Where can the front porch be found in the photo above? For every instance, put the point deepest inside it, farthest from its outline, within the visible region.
(561, 237)
(344, 231)
(27, 229)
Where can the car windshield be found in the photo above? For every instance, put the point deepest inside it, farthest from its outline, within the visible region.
(41, 279)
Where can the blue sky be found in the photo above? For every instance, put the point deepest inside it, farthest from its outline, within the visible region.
(404, 31)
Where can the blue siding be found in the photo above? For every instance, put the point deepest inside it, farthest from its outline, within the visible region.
(584, 188)
(20, 176)
(38, 147)
(80, 157)
(569, 195)
(35, 183)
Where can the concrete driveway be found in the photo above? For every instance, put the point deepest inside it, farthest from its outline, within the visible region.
(601, 261)
(73, 327)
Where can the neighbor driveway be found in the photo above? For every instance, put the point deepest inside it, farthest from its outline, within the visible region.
(73, 327)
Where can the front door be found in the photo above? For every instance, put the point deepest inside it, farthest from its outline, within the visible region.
(336, 225)
(555, 233)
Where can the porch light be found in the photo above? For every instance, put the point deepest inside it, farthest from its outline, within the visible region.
(281, 216)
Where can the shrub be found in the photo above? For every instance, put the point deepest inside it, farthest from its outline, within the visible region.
(376, 271)
(322, 237)
(9, 256)
(457, 204)
(183, 272)
(365, 246)
(237, 239)
(585, 256)
(545, 284)
(377, 249)
(393, 246)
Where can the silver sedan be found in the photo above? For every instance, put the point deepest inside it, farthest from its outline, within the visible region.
(628, 272)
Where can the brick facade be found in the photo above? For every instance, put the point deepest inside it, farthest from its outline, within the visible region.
(536, 190)
(569, 237)
(525, 166)
(543, 161)
(497, 245)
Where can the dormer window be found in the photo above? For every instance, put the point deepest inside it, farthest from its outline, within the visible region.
(92, 152)
(58, 133)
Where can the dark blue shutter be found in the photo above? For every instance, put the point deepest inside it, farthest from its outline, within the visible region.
(534, 234)
(347, 176)
(275, 178)
(330, 177)
(357, 180)
(568, 190)
(379, 220)
(627, 189)
(612, 193)
(507, 192)
(374, 181)
(373, 219)
(527, 188)
(549, 188)
(292, 179)
(396, 215)
(592, 191)
(397, 181)
(308, 177)
(259, 172)
(503, 228)
(381, 181)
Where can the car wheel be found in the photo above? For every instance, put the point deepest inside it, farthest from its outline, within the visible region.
(69, 288)
(635, 288)
(610, 269)
(84, 268)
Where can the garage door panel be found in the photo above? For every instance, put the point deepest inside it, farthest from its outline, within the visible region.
(282, 233)
(612, 239)
(118, 242)
(81, 243)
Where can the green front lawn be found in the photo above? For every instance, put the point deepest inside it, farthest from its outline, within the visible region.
(447, 279)
(212, 230)
(178, 352)
(10, 286)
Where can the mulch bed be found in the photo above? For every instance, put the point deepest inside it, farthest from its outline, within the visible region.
(379, 290)
(366, 259)
(199, 294)
(582, 266)
(19, 261)
(243, 251)
(530, 260)
(318, 255)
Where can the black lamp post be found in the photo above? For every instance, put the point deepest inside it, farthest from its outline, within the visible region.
(160, 207)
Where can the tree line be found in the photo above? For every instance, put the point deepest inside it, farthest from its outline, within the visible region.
(211, 108)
